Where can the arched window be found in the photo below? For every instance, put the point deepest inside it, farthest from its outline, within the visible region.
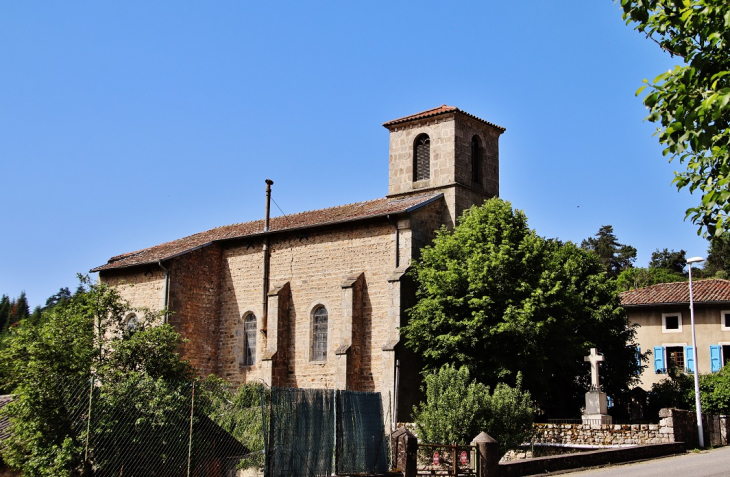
(319, 334)
(476, 159)
(131, 323)
(249, 340)
(422, 158)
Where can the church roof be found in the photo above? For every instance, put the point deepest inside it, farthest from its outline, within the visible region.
(429, 113)
(310, 219)
(712, 290)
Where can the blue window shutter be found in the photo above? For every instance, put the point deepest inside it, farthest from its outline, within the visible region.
(659, 360)
(689, 359)
(715, 359)
(638, 360)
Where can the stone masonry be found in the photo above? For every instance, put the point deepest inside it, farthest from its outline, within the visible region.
(450, 136)
(351, 260)
(675, 425)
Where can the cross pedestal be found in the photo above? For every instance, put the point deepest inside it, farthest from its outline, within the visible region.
(596, 411)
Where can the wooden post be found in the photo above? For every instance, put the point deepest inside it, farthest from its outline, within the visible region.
(487, 455)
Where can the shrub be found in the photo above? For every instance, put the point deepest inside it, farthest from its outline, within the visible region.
(458, 408)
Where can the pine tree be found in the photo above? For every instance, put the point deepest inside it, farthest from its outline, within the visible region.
(616, 257)
(60, 298)
(4, 312)
(19, 309)
(718, 256)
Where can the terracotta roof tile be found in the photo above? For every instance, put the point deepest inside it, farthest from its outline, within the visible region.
(314, 218)
(429, 113)
(703, 291)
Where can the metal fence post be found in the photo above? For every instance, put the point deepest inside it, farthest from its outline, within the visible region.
(88, 422)
(190, 435)
(335, 455)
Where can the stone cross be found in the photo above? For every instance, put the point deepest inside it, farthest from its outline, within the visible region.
(594, 358)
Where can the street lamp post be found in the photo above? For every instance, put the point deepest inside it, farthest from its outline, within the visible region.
(698, 406)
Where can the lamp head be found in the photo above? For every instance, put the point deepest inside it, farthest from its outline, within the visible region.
(695, 260)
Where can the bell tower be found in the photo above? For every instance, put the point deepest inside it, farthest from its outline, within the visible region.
(444, 150)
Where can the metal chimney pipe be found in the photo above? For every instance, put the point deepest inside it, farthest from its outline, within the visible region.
(269, 183)
(265, 293)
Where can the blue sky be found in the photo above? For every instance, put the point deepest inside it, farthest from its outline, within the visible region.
(128, 124)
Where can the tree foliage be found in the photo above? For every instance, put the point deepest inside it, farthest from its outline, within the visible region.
(669, 260)
(678, 391)
(458, 408)
(73, 343)
(691, 103)
(238, 412)
(715, 392)
(644, 277)
(12, 311)
(614, 256)
(495, 297)
(718, 256)
(61, 298)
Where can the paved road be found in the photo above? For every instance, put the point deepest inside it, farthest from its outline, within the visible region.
(712, 463)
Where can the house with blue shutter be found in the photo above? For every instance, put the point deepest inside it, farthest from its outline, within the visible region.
(664, 327)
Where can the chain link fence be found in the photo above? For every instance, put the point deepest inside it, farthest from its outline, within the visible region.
(144, 427)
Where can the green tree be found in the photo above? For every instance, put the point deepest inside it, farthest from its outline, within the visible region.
(714, 392)
(4, 312)
(669, 260)
(691, 103)
(44, 362)
(495, 297)
(458, 408)
(718, 256)
(633, 278)
(19, 309)
(614, 256)
(675, 391)
(60, 298)
(238, 412)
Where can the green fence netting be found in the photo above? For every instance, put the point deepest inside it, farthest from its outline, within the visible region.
(362, 446)
(139, 426)
(301, 433)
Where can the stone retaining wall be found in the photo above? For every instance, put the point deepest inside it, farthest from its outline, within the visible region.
(541, 465)
(675, 425)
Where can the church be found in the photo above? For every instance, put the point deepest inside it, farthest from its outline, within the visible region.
(316, 299)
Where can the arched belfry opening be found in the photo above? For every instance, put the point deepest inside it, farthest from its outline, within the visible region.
(476, 159)
(422, 157)
(444, 151)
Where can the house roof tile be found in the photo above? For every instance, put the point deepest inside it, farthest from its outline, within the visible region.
(314, 218)
(703, 291)
(429, 113)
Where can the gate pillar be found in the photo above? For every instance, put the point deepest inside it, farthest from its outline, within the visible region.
(487, 455)
(405, 449)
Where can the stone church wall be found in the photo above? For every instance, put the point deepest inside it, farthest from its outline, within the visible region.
(143, 287)
(195, 305)
(314, 263)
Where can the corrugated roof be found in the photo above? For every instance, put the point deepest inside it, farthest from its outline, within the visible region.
(443, 109)
(703, 291)
(314, 218)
